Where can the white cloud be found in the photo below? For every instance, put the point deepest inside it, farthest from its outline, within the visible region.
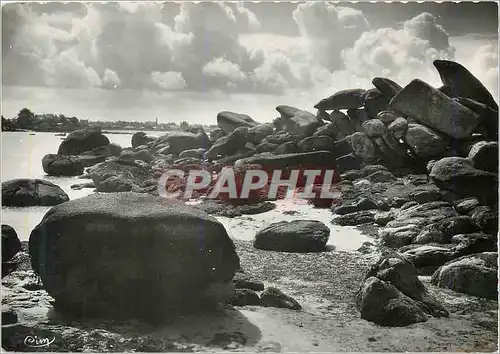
(111, 78)
(222, 68)
(168, 80)
(484, 64)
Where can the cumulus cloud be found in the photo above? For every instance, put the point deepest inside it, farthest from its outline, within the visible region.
(168, 80)
(225, 69)
(327, 30)
(484, 64)
(401, 54)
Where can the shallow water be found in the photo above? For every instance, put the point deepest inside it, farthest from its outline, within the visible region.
(22, 155)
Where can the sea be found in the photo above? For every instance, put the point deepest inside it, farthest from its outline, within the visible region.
(21, 157)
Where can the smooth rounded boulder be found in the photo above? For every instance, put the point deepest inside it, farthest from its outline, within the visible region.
(484, 156)
(294, 236)
(62, 165)
(82, 140)
(125, 255)
(31, 192)
(10, 243)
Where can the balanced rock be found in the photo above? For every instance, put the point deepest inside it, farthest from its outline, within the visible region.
(94, 256)
(434, 109)
(32, 192)
(461, 83)
(345, 99)
(473, 274)
(294, 236)
(62, 165)
(229, 121)
(82, 140)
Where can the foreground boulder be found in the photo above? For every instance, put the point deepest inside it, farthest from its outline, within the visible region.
(229, 121)
(10, 243)
(82, 140)
(32, 192)
(392, 294)
(474, 275)
(294, 236)
(433, 108)
(121, 255)
(62, 165)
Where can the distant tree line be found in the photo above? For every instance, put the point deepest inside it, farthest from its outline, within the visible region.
(27, 120)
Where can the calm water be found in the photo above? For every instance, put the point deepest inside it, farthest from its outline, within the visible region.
(22, 155)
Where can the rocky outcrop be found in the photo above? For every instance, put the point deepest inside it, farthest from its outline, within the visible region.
(474, 275)
(32, 192)
(392, 294)
(118, 176)
(95, 258)
(62, 165)
(80, 141)
(294, 236)
(229, 121)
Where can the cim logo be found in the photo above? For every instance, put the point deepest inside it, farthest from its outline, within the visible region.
(38, 342)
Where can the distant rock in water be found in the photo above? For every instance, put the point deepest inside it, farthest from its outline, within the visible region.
(120, 255)
(460, 82)
(32, 192)
(82, 140)
(62, 165)
(294, 236)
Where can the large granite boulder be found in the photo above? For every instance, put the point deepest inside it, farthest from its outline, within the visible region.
(433, 108)
(488, 125)
(229, 144)
(82, 140)
(392, 294)
(473, 274)
(363, 147)
(132, 255)
(460, 82)
(62, 165)
(458, 175)
(229, 121)
(345, 99)
(180, 141)
(294, 236)
(425, 142)
(301, 123)
(484, 156)
(31, 192)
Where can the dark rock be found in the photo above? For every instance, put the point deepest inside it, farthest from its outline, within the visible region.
(425, 142)
(428, 258)
(425, 195)
(118, 176)
(88, 239)
(484, 156)
(228, 144)
(9, 316)
(244, 297)
(398, 128)
(388, 87)
(471, 243)
(363, 147)
(467, 205)
(259, 133)
(313, 143)
(486, 218)
(242, 281)
(318, 158)
(343, 147)
(342, 124)
(141, 138)
(216, 134)
(266, 146)
(273, 297)
(488, 117)
(62, 165)
(10, 243)
(383, 218)
(374, 128)
(381, 177)
(180, 141)
(459, 176)
(197, 153)
(363, 204)
(434, 109)
(229, 121)
(289, 147)
(356, 218)
(348, 162)
(473, 274)
(357, 118)
(328, 130)
(82, 140)
(462, 83)
(89, 160)
(345, 99)
(387, 117)
(375, 102)
(382, 303)
(32, 192)
(301, 123)
(294, 236)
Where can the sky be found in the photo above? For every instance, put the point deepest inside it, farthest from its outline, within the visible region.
(137, 61)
